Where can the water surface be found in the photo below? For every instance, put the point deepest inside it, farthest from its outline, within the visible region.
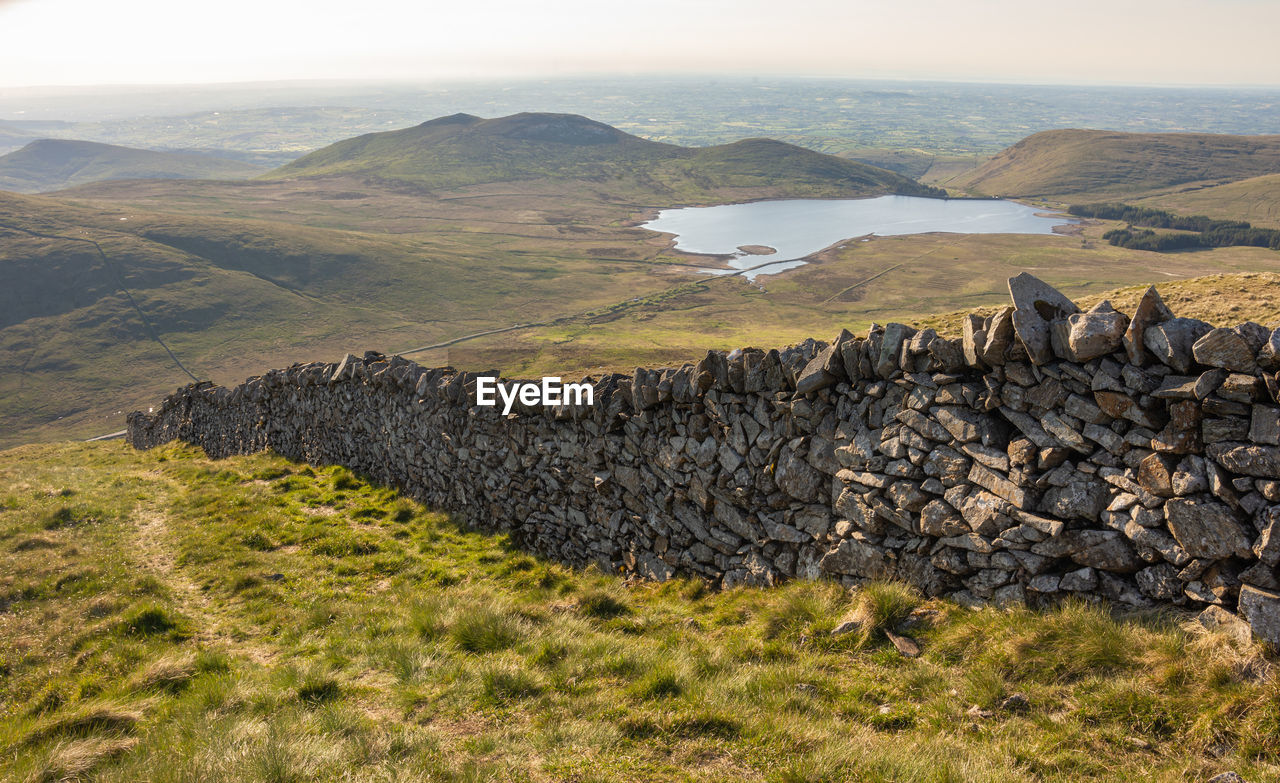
(795, 228)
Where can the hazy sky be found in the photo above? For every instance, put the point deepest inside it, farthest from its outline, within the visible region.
(47, 42)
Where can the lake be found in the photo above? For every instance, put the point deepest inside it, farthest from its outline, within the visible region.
(795, 228)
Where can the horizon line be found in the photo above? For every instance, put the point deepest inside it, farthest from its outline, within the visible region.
(654, 75)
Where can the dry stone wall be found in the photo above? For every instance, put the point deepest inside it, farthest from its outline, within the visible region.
(1048, 453)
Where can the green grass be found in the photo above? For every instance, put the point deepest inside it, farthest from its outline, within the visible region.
(463, 150)
(188, 629)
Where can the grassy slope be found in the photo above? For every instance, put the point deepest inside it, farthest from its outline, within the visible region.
(885, 279)
(166, 617)
(51, 164)
(232, 296)
(1256, 200)
(461, 150)
(1083, 165)
(434, 267)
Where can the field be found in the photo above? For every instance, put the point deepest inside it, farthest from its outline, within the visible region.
(167, 617)
(241, 277)
(1256, 199)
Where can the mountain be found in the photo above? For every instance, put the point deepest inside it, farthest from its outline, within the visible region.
(461, 150)
(1079, 165)
(52, 164)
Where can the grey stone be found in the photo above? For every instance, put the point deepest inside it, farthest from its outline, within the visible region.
(1269, 355)
(1082, 580)
(798, 478)
(1037, 304)
(1170, 341)
(1159, 582)
(1261, 609)
(1151, 310)
(1095, 333)
(1206, 529)
(1264, 425)
(858, 557)
(1225, 348)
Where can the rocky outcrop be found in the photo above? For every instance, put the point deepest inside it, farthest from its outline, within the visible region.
(1047, 453)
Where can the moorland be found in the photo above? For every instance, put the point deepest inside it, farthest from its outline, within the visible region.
(524, 228)
(312, 626)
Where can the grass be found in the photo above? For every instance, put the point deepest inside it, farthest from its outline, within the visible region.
(163, 641)
(1093, 165)
(232, 276)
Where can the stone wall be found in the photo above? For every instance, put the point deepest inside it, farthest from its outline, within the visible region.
(1048, 453)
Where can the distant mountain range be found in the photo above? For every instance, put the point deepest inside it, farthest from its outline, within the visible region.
(1084, 165)
(461, 150)
(53, 164)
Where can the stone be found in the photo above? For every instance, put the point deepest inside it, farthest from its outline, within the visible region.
(999, 336)
(999, 485)
(1180, 387)
(1225, 348)
(1239, 387)
(1269, 355)
(1261, 609)
(1206, 529)
(1264, 425)
(1267, 547)
(858, 557)
(1155, 474)
(1215, 619)
(1159, 582)
(798, 478)
(984, 513)
(1182, 434)
(1260, 461)
(1151, 310)
(816, 374)
(891, 348)
(973, 339)
(1079, 581)
(939, 519)
(1078, 499)
(1095, 333)
(1107, 550)
(905, 645)
(846, 627)
(962, 424)
(1171, 341)
(1037, 305)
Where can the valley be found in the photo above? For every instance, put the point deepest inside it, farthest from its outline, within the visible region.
(413, 239)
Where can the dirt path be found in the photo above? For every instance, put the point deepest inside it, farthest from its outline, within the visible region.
(156, 553)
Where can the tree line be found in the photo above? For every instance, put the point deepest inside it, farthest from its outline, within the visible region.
(1202, 231)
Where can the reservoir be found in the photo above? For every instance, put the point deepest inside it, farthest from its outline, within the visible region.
(795, 228)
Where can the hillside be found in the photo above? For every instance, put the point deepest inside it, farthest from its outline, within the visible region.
(461, 150)
(1256, 200)
(1081, 165)
(168, 616)
(13, 137)
(52, 164)
(78, 327)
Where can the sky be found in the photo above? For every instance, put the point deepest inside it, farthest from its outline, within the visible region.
(1178, 42)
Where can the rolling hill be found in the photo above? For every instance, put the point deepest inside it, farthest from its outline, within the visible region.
(1090, 165)
(53, 164)
(1256, 200)
(462, 150)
